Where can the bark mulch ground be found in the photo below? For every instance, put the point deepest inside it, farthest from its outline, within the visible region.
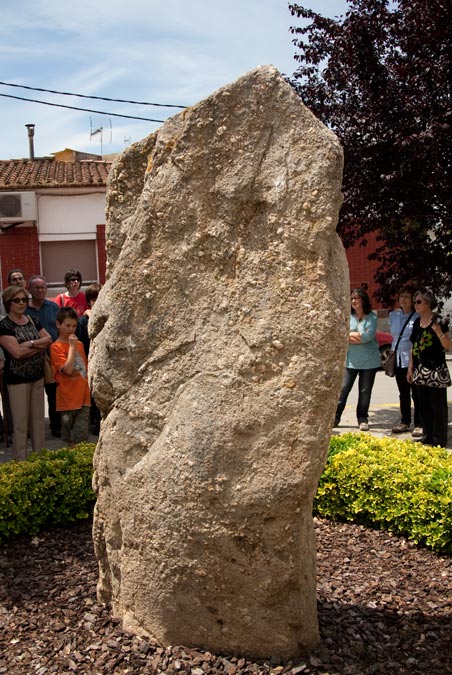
(385, 606)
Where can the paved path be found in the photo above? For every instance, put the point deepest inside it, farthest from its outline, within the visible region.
(384, 410)
(383, 415)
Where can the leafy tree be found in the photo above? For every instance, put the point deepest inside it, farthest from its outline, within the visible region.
(381, 77)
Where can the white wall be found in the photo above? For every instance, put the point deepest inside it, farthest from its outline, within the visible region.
(69, 217)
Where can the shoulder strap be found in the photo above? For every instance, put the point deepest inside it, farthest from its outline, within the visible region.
(401, 332)
(33, 322)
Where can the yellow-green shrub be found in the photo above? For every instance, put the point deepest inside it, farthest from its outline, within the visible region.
(399, 486)
(49, 488)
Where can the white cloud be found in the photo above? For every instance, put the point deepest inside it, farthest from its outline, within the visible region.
(172, 51)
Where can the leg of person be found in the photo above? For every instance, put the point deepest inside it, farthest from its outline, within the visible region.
(36, 415)
(67, 422)
(438, 397)
(7, 415)
(54, 415)
(404, 388)
(80, 429)
(347, 384)
(18, 400)
(426, 413)
(365, 385)
(417, 431)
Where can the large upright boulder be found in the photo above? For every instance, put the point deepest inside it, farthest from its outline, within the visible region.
(219, 347)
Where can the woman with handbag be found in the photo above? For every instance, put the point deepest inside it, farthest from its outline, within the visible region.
(401, 323)
(428, 370)
(24, 343)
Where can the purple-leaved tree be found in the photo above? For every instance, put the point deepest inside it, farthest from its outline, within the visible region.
(380, 77)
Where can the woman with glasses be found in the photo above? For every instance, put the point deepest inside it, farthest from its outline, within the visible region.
(428, 369)
(363, 358)
(73, 297)
(401, 322)
(23, 342)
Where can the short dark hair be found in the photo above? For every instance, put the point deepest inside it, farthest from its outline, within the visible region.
(34, 277)
(66, 313)
(14, 271)
(92, 292)
(360, 292)
(9, 293)
(72, 273)
(407, 288)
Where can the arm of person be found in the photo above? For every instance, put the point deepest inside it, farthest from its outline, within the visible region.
(409, 372)
(370, 328)
(68, 367)
(45, 340)
(444, 338)
(18, 350)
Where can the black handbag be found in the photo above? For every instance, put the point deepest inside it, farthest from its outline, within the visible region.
(390, 363)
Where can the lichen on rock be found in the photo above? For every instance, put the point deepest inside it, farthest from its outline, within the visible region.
(218, 351)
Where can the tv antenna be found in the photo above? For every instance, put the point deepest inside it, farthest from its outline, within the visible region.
(99, 129)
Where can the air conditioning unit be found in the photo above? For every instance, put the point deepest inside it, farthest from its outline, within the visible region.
(17, 207)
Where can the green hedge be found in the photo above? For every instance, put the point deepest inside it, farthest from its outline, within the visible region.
(399, 486)
(49, 488)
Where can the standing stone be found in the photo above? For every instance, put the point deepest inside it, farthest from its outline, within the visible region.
(219, 347)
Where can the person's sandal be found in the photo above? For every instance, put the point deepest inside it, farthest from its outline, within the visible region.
(400, 428)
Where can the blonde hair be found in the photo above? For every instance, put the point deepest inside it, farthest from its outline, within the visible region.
(10, 293)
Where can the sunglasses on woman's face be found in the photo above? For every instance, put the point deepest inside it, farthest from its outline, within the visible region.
(17, 300)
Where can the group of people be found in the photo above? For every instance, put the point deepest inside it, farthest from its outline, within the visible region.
(34, 330)
(420, 341)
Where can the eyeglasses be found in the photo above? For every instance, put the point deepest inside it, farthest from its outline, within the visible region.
(17, 300)
(74, 279)
(418, 302)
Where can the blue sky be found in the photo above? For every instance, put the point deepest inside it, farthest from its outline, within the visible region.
(162, 51)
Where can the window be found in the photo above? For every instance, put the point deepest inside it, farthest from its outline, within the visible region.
(57, 257)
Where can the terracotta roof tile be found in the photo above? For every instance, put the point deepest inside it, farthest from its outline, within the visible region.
(20, 174)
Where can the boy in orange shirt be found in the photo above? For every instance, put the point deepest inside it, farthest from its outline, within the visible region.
(70, 367)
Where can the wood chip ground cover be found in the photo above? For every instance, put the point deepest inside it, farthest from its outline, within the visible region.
(385, 606)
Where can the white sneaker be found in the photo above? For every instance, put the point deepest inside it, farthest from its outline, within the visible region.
(363, 426)
(417, 432)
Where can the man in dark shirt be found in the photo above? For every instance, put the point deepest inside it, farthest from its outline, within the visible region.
(45, 310)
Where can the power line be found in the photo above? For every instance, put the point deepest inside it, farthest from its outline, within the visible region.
(71, 107)
(98, 98)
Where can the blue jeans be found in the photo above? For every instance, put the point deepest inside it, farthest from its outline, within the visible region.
(365, 384)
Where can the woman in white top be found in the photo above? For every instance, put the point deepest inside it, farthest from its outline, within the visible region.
(401, 325)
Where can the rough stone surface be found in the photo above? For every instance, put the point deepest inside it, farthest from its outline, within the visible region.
(219, 346)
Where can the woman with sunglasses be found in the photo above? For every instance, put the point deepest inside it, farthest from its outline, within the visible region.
(73, 297)
(401, 322)
(428, 369)
(23, 342)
